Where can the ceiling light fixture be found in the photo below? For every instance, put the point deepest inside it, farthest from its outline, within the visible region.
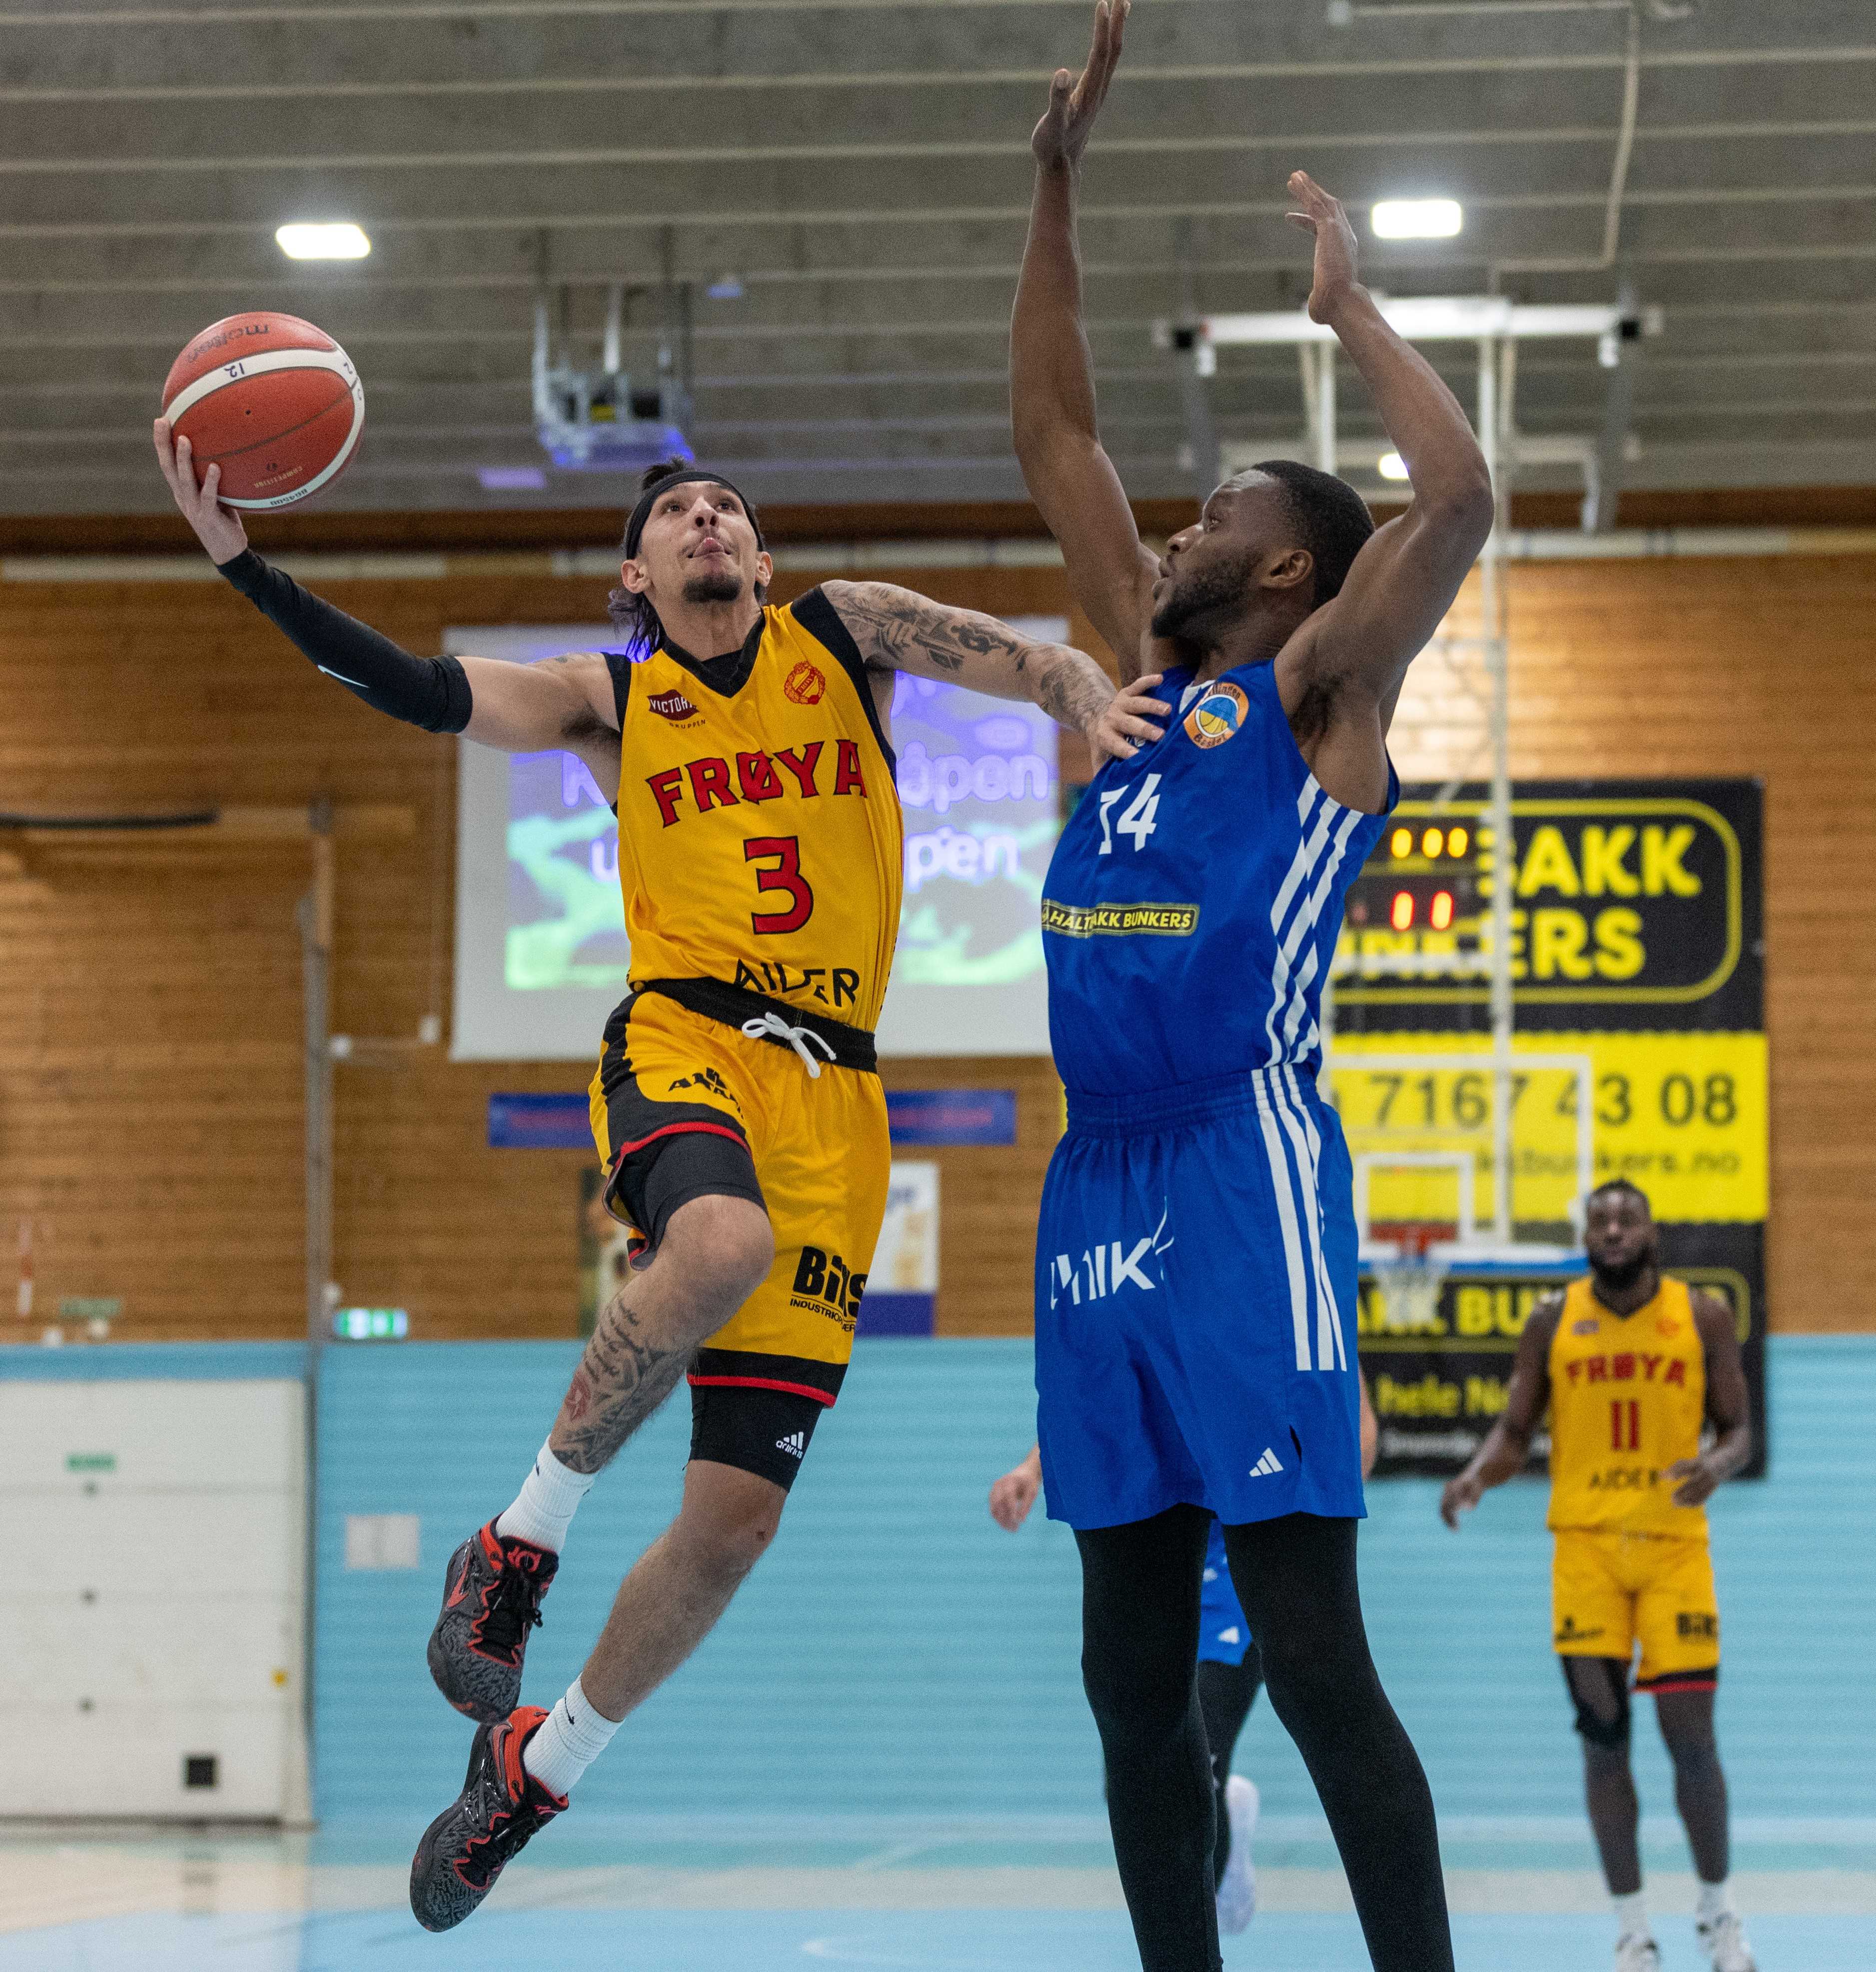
(335, 240)
(1392, 466)
(1417, 218)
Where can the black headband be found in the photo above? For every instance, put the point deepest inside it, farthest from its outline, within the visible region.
(635, 527)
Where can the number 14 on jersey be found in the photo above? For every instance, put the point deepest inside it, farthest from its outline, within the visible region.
(1138, 819)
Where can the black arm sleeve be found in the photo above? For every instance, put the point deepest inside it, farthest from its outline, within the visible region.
(433, 693)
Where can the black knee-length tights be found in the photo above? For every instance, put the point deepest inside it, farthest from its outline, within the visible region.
(1296, 1577)
(1226, 1694)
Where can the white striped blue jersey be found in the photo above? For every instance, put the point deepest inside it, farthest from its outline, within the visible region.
(1193, 901)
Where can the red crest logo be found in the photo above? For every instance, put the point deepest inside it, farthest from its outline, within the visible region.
(672, 705)
(804, 684)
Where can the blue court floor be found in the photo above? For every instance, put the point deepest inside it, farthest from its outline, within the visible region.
(1028, 1895)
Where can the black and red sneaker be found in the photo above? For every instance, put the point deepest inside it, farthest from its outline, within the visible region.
(491, 1598)
(482, 1830)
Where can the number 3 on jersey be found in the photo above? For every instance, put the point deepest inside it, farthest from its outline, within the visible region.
(1138, 820)
(784, 880)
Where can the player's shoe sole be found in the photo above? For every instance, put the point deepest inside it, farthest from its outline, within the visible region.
(1238, 1891)
(492, 1593)
(1724, 1943)
(501, 1808)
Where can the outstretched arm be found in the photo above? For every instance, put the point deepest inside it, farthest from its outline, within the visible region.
(899, 630)
(1358, 647)
(1508, 1443)
(1728, 1405)
(1068, 473)
(518, 708)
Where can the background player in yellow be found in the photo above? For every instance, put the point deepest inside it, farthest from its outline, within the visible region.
(736, 1105)
(1633, 1367)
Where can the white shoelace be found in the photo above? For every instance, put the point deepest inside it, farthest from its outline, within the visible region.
(796, 1037)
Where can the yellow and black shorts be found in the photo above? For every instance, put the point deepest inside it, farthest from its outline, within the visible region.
(686, 1103)
(1609, 1591)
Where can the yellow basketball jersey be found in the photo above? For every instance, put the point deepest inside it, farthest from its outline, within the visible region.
(760, 841)
(1628, 1396)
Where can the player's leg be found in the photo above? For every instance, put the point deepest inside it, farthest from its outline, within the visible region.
(1686, 1720)
(774, 1362)
(1685, 1717)
(680, 1171)
(1226, 1694)
(1593, 1623)
(1599, 1690)
(1230, 1674)
(1295, 1577)
(735, 1487)
(713, 1252)
(1677, 1617)
(1139, 1613)
(523, 1768)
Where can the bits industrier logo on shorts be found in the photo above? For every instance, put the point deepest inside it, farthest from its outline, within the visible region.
(824, 1284)
(804, 684)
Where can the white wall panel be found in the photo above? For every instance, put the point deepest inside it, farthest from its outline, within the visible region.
(164, 1617)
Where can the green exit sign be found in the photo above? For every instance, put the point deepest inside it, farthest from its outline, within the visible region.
(91, 1461)
(90, 1307)
(371, 1324)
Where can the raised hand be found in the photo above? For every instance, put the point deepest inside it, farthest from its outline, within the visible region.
(1062, 136)
(1336, 251)
(217, 528)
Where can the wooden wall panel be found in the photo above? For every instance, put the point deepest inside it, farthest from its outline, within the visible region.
(150, 1110)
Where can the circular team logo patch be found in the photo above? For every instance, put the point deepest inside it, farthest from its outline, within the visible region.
(1217, 717)
(804, 684)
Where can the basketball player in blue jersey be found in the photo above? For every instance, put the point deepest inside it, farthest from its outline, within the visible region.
(1195, 1267)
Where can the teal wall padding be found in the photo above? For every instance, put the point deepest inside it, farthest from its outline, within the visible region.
(135, 1362)
(898, 1654)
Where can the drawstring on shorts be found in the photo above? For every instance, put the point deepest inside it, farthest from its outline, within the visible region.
(796, 1037)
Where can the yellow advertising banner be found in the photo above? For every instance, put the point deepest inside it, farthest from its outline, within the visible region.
(1683, 1115)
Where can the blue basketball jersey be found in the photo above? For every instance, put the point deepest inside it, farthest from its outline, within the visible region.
(1193, 903)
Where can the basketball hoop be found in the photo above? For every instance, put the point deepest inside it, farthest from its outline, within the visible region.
(1408, 1274)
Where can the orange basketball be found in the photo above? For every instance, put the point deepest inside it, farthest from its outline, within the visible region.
(271, 400)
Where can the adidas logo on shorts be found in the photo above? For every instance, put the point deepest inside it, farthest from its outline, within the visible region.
(795, 1444)
(1266, 1465)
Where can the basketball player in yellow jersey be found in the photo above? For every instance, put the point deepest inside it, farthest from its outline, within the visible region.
(1633, 1366)
(736, 1105)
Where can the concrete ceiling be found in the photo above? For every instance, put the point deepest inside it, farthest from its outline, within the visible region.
(862, 169)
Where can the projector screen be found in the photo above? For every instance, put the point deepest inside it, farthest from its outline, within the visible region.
(541, 957)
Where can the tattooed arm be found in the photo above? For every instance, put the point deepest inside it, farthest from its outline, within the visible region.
(898, 630)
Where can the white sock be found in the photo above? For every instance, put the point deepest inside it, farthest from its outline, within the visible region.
(571, 1738)
(543, 1509)
(1631, 1914)
(1715, 1900)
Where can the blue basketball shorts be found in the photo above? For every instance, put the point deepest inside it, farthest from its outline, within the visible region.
(1195, 1306)
(1223, 1635)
